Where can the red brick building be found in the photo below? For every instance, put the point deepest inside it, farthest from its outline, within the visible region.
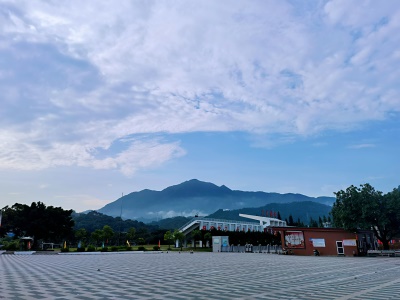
(328, 241)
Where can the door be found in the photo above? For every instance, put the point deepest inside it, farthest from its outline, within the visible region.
(339, 247)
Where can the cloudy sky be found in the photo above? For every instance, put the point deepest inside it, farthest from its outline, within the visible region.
(100, 98)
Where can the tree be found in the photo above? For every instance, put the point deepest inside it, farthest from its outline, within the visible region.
(42, 222)
(168, 237)
(131, 234)
(313, 223)
(97, 236)
(279, 216)
(208, 237)
(143, 233)
(299, 223)
(81, 235)
(179, 236)
(108, 233)
(196, 235)
(365, 208)
(320, 224)
(291, 222)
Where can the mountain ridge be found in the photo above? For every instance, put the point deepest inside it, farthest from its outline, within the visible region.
(195, 197)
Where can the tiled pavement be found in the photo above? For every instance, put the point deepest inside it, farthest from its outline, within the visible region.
(197, 276)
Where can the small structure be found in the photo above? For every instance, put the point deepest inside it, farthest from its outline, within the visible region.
(25, 243)
(322, 241)
(220, 243)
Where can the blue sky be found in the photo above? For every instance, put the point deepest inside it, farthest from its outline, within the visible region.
(99, 99)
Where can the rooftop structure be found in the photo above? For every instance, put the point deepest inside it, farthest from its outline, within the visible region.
(265, 221)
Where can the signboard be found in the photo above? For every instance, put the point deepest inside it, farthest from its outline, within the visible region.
(294, 239)
(318, 242)
(216, 241)
(350, 242)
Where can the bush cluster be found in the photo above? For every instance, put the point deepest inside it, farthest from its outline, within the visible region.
(12, 245)
(91, 248)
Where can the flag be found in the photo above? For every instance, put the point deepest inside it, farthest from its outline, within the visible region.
(127, 243)
(159, 244)
(79, 244)
(65, 244)
(102, 245)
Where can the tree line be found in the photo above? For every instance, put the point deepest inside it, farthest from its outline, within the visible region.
(320, 223)
(355, 208)
(37, 220)
(56, 225)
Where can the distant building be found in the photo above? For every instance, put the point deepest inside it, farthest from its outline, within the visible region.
(200, 223)
(327, 241)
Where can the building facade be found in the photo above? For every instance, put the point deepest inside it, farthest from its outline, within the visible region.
(326, 241)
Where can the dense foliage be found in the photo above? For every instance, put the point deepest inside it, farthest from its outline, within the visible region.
(42, 222)
(95, 220)
(365, 208)
(98, 229)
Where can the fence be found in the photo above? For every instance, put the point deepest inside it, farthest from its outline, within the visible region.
(277, 249)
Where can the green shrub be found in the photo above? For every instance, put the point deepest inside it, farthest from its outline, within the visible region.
(64, 249)
(156, 248)
(105, 249)
(11, 246)
(128, 248)
(81, 249)
(141, 248)
(91, 248)
(114, 248)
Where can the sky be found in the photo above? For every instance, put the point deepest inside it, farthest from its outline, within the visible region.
(104, 98)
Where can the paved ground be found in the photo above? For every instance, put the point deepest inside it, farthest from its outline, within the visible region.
(197, 276)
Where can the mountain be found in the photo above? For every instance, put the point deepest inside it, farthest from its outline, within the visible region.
(195, 197)
(171, 223)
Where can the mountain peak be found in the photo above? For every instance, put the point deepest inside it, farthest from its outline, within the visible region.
(195, 187)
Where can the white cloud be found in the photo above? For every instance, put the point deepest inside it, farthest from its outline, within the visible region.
(362, 146)
(77, 77)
